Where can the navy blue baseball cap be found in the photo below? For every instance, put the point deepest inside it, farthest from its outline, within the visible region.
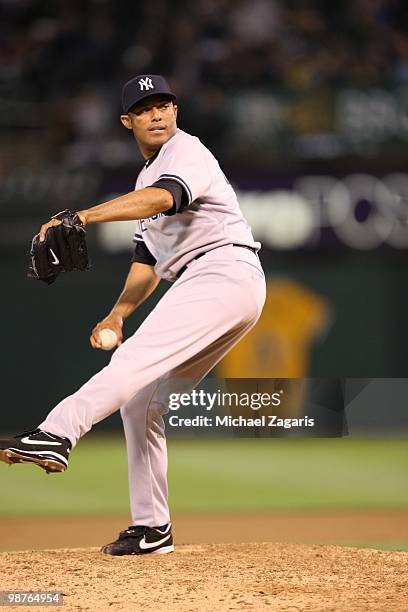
(143, 86)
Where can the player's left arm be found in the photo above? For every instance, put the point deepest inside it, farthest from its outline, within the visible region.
(140, 204)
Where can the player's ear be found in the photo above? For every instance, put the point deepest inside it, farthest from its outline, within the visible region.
(175, 110)
(125, 120)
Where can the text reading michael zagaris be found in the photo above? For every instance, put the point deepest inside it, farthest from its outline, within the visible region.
(228, 421)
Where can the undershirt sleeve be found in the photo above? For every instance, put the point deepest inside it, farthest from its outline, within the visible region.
(141, 254)
(180, 197)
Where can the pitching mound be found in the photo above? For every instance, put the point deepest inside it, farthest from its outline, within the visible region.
(266, 576)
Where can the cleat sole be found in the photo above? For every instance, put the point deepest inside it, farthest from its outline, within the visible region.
(50, 466)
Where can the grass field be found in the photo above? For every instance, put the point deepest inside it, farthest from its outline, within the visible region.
(240, 475)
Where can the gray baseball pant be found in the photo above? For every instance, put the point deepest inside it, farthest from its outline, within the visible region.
(215, 302)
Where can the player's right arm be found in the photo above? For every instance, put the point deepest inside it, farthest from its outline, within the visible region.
(141, 281)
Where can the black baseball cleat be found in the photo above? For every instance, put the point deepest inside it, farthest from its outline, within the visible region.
(141, 540)
(39, 447)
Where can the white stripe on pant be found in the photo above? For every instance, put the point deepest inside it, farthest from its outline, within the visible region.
(201, 317)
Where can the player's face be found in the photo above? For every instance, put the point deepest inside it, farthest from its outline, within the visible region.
(153, 123)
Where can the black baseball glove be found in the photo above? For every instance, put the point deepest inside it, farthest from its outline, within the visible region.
(63, 250)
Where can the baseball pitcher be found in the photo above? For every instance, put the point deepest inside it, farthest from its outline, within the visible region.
(191, 232)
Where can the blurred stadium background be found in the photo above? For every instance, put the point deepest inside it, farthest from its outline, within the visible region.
(305, 104)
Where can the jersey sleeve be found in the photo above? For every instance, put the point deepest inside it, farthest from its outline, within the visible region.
(185, 163)
(141, 253)
(180, 197)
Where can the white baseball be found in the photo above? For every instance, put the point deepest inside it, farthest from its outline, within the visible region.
(108, 339)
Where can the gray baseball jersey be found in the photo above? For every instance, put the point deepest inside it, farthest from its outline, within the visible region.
(208, 216)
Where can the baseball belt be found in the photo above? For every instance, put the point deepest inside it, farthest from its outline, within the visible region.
(184, 268)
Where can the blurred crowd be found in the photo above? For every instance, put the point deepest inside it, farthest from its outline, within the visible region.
(62, 63)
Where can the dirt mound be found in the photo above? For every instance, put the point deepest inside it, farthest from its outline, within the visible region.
(358, 527)
(209, 577)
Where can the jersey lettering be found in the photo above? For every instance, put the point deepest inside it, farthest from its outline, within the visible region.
(143, 222)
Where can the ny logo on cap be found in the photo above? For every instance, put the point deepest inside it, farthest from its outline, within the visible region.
(146, 84)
